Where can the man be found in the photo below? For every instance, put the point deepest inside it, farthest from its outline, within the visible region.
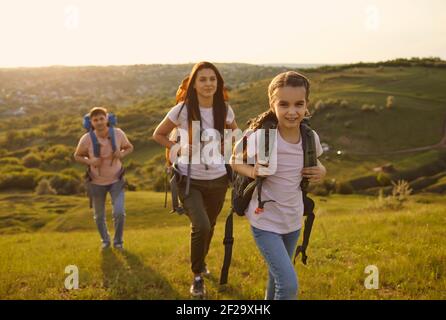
(105, 173)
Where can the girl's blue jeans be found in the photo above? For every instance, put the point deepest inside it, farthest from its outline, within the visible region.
(278, 250)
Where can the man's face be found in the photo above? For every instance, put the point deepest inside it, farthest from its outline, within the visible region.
(99, 122)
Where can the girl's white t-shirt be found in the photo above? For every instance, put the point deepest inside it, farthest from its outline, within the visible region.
(199, 171)
(285, 214)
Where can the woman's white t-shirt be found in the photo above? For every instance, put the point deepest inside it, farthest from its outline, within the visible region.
(285, 214)
(200, 171)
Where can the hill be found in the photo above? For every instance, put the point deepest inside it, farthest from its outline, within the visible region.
(362, 131)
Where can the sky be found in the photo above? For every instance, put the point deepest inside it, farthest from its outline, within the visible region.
(117, 32)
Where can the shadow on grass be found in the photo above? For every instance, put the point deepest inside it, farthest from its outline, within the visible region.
(126, 277)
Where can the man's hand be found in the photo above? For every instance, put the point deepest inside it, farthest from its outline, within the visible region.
(117, 155)
(96, 162)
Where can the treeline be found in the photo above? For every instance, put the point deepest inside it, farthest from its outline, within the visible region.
(431, 62)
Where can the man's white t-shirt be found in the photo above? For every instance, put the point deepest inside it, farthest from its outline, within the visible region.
(285, 214)
(199, 171)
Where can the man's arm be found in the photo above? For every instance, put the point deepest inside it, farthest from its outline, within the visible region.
(81, 154)
(125, 148)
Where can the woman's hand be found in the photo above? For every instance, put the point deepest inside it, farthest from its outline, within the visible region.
(314, 174)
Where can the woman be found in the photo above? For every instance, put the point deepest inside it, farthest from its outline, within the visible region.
(204, 195)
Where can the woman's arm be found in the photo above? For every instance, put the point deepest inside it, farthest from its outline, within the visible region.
(233, 125)
(161, 133)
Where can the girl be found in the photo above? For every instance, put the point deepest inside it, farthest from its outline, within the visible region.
(276, 229)
(203, 198)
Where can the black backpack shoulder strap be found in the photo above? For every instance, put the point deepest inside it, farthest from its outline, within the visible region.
(228, 241)
(310, 160)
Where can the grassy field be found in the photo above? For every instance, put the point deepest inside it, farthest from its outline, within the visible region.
(43, 235)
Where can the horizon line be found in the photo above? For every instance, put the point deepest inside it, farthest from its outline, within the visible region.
(216, 62)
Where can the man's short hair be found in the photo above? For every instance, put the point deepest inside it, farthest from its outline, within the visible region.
(96, 111)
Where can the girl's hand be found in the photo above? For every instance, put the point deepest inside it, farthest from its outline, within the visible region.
(314, 174)
(260, 170)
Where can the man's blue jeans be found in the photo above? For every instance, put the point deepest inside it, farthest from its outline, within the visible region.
(99, 194)
(278, 250)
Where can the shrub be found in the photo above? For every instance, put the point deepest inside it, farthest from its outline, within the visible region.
(8, 168)
(32, 160)
(65, 184)
(159, 181)
(344, 188)
(44, 188)
(364, 182)
(25, 180)
(14, 139)
(132, 165)
(320, 190)
(330, 185)
(60, 152)
(383, 179)
(72, 173)
(10, 160)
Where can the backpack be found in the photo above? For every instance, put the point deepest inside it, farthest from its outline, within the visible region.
(243, 189)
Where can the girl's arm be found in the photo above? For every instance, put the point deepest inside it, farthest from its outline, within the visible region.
(242, 168)
(237, 155)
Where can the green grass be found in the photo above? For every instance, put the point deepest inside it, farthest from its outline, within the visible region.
(350, 233)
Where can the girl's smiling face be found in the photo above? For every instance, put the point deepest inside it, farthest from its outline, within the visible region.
(206, 83)
(290, 106)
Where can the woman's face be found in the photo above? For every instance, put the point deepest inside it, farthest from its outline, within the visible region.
(206, 83)
(290, 106)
